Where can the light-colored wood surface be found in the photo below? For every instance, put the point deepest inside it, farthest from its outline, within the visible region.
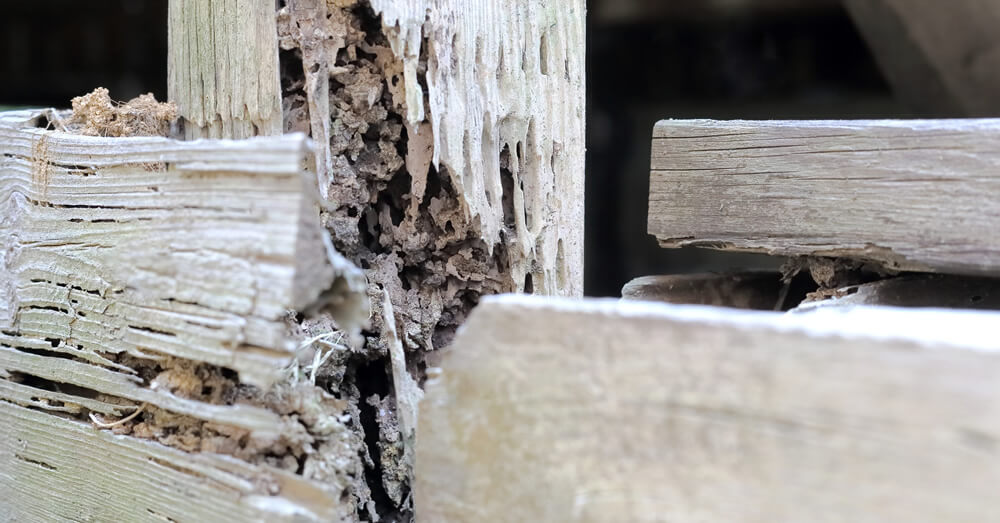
(942, 57)
(56, 469)
(912, 195)
(125, 265)
(149, 246)
(222, 67)
(552, 410)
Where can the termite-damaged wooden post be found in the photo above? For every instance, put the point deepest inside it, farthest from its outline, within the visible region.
(449, 151)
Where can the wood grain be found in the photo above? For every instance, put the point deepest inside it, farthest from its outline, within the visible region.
(154, 247)
(913, 195)
(56, 469)
(222, 67)
(557, 410)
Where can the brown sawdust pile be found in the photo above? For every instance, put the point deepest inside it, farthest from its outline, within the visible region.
(95, 114)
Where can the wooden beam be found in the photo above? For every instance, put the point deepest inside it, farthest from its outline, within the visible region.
(911, 195)
(552, 410)
(943, 61)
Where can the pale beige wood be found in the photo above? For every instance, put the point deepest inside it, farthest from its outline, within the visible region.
(222, 67)
(911, 195)
(56, 469)
(943, 59)
(557, 410)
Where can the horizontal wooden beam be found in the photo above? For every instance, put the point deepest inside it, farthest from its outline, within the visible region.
(912, 195)
(550, 410)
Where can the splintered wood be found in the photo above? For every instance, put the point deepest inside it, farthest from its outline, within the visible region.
(910, 195)
(122, 255)
(553, 410)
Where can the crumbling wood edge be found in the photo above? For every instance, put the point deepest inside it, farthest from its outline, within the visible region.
(910, 195)
(555, 410)
(120, 250)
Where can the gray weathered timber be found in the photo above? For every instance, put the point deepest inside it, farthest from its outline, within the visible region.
(913, 195)
(558, 410)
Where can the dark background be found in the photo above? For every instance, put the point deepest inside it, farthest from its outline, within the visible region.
(647, 60)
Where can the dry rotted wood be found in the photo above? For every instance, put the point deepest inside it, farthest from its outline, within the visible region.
(222, 67)
(746, 290)
(944, 60)
(552, 410)
(130, 268)
(912, 195)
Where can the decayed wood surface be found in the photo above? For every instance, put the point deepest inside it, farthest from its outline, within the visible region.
(56, 469)
(912, 195)
(551, 410)
(943, 59)
(222, 67)
(743, 290)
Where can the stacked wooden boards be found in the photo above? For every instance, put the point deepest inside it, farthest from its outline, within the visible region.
(116, 253)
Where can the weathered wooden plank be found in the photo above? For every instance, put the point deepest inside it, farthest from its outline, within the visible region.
(150, 247)
(760, 290)
(912, 195)
(133, 273)
(943, 61)
(923, 290)
(56, 469)
(552, 410)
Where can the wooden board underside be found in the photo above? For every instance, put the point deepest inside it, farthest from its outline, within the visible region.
(612, 411)
(56, 469)
(912, 195)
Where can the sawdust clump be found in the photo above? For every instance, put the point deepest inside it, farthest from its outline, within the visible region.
(95, 114)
